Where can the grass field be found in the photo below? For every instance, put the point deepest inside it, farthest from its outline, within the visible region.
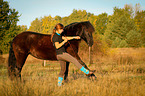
(119, 73)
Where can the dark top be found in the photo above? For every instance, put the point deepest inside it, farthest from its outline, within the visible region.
(58, 38)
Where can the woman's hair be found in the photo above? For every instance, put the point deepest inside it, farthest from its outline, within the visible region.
(57, 26)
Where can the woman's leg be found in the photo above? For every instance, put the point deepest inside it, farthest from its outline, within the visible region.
(69, 58)
(62, 72)
(65, 57)
(63, 68)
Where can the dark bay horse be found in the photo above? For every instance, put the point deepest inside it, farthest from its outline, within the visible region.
(41, 47)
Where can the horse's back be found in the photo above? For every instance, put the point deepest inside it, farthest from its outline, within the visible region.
(30, 34)
(28, 38)
(37, 44)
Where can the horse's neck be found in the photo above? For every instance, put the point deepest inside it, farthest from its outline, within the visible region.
(68, 33)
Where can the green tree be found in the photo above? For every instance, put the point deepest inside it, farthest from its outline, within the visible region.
(78, 15)
(22, 28)
(36, 25)
(134, 39)
(140, 23)
(100, 23)
(119, 24)
(8, 25)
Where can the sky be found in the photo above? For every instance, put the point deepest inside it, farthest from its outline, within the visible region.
(32, 9)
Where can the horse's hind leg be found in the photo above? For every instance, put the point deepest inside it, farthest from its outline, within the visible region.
(20, 60)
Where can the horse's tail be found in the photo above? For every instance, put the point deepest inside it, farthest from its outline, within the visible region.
(11, 62)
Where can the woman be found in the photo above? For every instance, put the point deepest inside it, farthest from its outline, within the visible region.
(62, 55)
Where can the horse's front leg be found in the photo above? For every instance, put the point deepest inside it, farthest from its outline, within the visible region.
(66, 71)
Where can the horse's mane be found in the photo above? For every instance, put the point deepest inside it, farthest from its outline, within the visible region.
(77, 25)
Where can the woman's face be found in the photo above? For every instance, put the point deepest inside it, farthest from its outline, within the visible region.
(60, 31)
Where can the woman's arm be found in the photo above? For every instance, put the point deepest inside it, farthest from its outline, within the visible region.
(58, 45)
(70, 38)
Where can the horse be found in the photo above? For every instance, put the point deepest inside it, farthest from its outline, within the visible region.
(40, 46)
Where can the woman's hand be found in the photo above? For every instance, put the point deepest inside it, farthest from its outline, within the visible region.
(77, 37)
(65, 39)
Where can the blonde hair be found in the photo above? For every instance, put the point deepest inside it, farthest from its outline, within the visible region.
(57, 26)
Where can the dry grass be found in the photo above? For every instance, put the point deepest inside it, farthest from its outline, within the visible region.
(120, 73)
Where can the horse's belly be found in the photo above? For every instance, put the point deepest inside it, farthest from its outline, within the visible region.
(44, 54)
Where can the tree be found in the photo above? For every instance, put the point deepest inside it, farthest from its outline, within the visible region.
(8, 25)
(140, 23)
(78, 15)
(22, 28)
(119, 24)
(100, 23)
(134, 39)
(47, 24)
(36, 25)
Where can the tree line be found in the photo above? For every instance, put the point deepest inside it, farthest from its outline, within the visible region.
(124, 28)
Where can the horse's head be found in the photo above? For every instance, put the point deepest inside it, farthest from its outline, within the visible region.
(86, 33)
(82, 29)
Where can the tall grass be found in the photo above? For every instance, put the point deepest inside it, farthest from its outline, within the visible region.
(119, 73)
